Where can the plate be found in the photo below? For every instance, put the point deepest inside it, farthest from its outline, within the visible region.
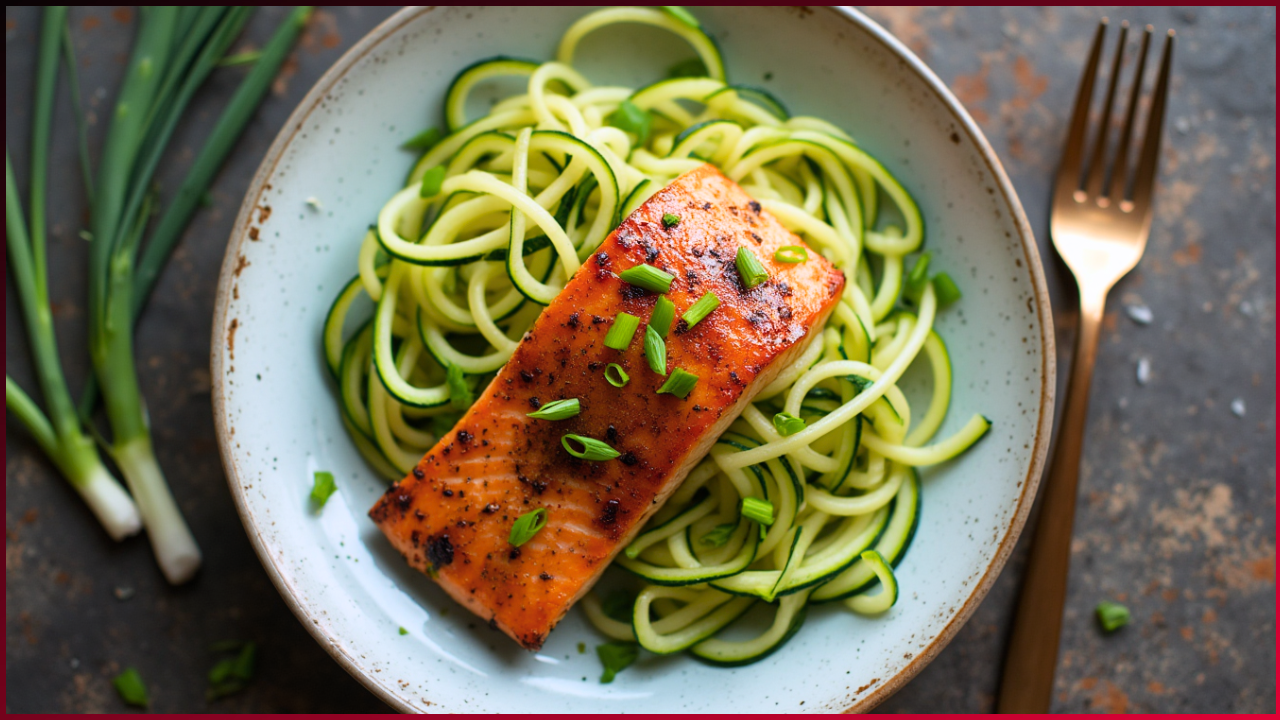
(278, 422)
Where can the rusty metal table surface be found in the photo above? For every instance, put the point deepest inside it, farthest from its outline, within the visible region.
(1176, 513)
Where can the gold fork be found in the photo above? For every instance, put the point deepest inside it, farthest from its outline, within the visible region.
(1099, 224)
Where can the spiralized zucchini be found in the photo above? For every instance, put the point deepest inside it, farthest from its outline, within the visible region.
(496, 217)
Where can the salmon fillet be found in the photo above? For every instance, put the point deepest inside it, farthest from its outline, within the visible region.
(452, 516)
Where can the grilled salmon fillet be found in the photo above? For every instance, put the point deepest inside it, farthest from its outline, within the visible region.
(452, 516)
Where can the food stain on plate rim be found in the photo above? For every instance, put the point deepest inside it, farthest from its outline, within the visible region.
(254, 211)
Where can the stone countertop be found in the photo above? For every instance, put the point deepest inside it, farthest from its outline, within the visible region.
(1176, 513)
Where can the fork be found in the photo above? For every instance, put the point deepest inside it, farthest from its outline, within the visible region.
(1099, 224)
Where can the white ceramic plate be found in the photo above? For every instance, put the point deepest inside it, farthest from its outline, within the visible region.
(278, 422)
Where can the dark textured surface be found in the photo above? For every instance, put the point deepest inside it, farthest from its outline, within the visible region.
(1177, 505)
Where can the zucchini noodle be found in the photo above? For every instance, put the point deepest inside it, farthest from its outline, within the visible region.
(499, 214)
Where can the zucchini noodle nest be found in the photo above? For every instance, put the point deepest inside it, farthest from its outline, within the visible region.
(501, 211)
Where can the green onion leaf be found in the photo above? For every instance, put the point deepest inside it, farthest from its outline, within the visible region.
(946, 289)
(616, 376)
(630, 118)
(791, 254)
(432, 181)
(403, 631)
(558, 410)
(700, 309)
(527, 525)
(647, 277)
(460, 395)
(718, 535)
(680, 383)
(245, 58)
(655, 351)
(624, 328)
(423, 141)
(916, 278)
(322, 488)
(693, 67)
(749, 267)
(1112, 615)
(616, 657)
(592, 449)
(682, 15)
(787, 424)
(760, 511)
(619, 605)
(582, 648)
(664, 311)
(131, 688)
(669, 221)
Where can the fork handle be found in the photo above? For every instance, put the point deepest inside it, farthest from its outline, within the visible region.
(1027, 682)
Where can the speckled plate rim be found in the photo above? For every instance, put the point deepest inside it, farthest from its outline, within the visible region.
(1004, 187)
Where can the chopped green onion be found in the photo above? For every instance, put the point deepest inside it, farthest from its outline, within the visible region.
(647, 277)
(582, 648)
(616, 657)
(669, 221)
(527, 525)
(761, 511)
(616, 376)
(460, 395)
(664, 311)
(592, 449)
(322, 488)
(749, 267)
(630, 118)
(624, 328)
(945, 288)
(693, 67)
(791, 254)
(423, 141)
(680, 383)
(558, 410)
(787, 424)
(432, 181)
(131, 688)
(244, 58)
(1112, 615)
(682, 15)
(229, 675)
(718, 535)
(916, 278)
(655, 351)
(403, 631)
(700, 309)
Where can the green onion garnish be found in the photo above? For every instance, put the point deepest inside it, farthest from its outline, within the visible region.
(916, 278)
(527, 525)
(616, 657)
(630, 118)
(557, 410)
(460, 395)
(424, 140)
(131, 688)
(700, 309)
(791, 254)
(655, 351)
(616, 376)
(432, 182)
(322, 488)
(403, 631)
(229, 675)
(669, 221)
(787, 424)
(624, 328)
(758, 510)
(648, 277)
(749, 267)
(682, 15)
(1112, 615)
(663, 313)
(718, 535)
(680, 383)
(946, 289)
(592, 449)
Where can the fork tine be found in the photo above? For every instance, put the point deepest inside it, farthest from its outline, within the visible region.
(1069, 173)
(1145, 174)
(1097, 168)
(1119, 181)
